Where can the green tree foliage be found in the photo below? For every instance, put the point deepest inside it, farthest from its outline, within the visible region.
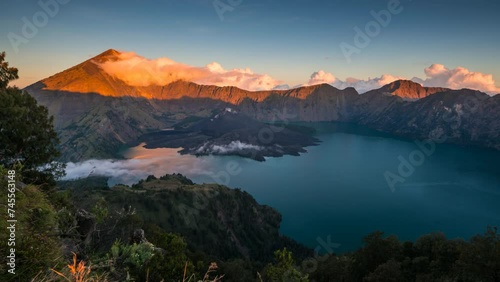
(480, 260)
(432, 257)
(238, 270)
(376, 251)
(100, 210)
(435, 256)
(170, 262)
(389, 271)
(130, 259)
(6, 73)
(27, 136)
(162, 259)
(284, 268)
(334, 269)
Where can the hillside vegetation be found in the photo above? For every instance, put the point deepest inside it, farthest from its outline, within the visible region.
(162, 228)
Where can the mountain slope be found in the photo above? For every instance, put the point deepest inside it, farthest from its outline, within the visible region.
(408, 89)
(96, 114)
(89, 77)
(464, 117)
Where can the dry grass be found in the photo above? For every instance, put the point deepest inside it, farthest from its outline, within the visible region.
(206, 278)
(79, 272)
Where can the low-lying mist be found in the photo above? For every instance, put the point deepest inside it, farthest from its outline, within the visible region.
(141, 162)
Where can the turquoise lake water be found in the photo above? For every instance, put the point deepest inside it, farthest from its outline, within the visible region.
(338, 191)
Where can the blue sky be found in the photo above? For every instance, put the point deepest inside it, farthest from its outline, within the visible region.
(289, 40)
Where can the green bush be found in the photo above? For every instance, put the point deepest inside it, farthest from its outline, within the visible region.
(284, 268)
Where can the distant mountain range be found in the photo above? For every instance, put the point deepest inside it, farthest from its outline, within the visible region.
(97, 113)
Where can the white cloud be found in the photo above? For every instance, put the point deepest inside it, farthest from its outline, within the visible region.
(440, 76)
(139, 71)
(360, 85)
(363, 86)
(320, 77)
(436, 76)
(234, 146)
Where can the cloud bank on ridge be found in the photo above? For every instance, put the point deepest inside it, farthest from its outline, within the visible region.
(437, 75)
(139, 71)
